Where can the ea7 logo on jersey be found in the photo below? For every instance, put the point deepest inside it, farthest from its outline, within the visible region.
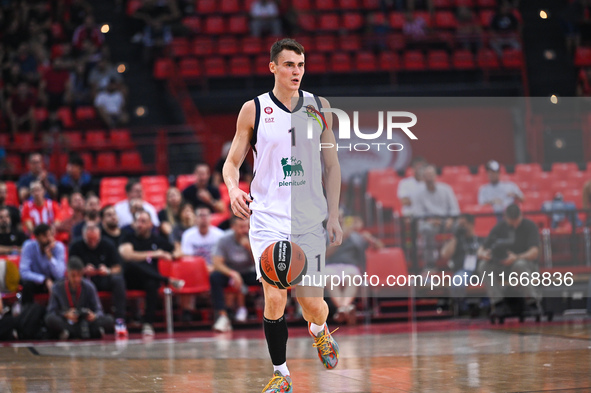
(268, 110)
(269, 120)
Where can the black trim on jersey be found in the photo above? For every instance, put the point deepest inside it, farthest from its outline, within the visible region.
(255, 130)
(283, 107)
(250, 186)
(320, 107)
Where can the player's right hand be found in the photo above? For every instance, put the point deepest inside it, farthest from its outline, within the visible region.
(238, 203)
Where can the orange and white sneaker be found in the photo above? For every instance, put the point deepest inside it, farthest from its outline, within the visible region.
(328, 349)
(279, 384)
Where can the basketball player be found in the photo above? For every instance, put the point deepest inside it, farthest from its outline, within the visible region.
(283, 203)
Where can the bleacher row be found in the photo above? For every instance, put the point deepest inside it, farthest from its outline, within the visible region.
(537, 186)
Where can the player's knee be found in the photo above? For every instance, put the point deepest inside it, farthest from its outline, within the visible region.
(313, 306)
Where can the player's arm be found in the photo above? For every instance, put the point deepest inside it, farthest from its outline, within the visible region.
(332, 179)
(236, 155)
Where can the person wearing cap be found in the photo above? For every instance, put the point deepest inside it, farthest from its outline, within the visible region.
(499, 194)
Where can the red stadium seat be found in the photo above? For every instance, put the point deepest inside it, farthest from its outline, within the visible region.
(160, 181)
(388, 61)
(189, 68)
(380, 185)
(486, 3)
(316, 63)
(230, 6)
(326, 43)
(120, 138)
(202, 46)
(163, 68)
(525, 172)
(326, 5)
(240, 66)
(353, 21)
(184, 181)
(58, 162)
(463, 60)
(227, 46)
(24, 140)
(370, 4)
(307, 22)
(193, 270)
(396, 41)
(131, 160)
(414, 60)
(442, 3)
(192, 23)
(455, 171)
(302, 5)
(397, 20)
(485, 17)
(41, 114)
(215, 25)
(379, 18)
(180, 47)
(365, 61)
(307, 42)
(350, 43)
(438, 60)
(106, 161)
(426, 15)
(482, 224)
(206, 6)
(96, 138)
(112, 190)
(329, 22)
(261, 65)
(11, 194)
(512, 58)
(15, 164)
(583, 57)
(215, 66)
(73, 139)
(465, 3)
(85, 113)
(487, 58)
(88, 160)
(238, 24)
(251, 46)
(65, 115)
(133, 6)
(340, 62)
(386, 262)
(562, 170)
(348, 4)
(445, 20)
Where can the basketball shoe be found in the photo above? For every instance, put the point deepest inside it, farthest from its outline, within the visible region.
(328, 349)
(278, 384)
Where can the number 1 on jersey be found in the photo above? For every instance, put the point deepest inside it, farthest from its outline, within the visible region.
(292, 132)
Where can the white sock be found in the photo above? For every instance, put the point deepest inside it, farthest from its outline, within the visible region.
(315, 329)
(282, 368)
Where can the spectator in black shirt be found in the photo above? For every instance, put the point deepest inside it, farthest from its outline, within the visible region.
(76, 178)
(103, 268)
(92, 211)
(513, 245)
(11, 240)
(504, 27)
(15, 214)
(202, 193)
(110, 224)
(141, 252)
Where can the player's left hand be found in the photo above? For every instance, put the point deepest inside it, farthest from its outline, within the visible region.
(335, 233)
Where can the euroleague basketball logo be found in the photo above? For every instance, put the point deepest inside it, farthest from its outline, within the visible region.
(268, 110)
(281, 266)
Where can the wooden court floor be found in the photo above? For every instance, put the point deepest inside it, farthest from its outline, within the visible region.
(447, 356)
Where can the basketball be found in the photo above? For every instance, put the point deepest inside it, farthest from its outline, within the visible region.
(283, 264)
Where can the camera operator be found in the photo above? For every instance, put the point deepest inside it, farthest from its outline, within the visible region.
(74, 309)
(512, 246)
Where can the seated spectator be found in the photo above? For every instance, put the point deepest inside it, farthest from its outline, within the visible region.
(498, 194)
(20, 109)
(53, 124)
(202, 193)
(171, 214)
(135, 206)
(55, 84)
(89, 31)
(141, 251)
(264, 17)
(348, 260)
(245, 168)
(563, 214)
(42, 263)
(79, 92)
(469, 32)
(513, 245)
(154, 12)
(437, 204)
(198, 241)
(103, 74)
(233, 266)
(133, 189)
(156, 38)
(27, 62)
(15, 214)
(185, 223)
(74, 309)
(504, 28)
(409, 185)
(103, 268)
(110, 105)
(73, 217)
(76, 178)
(38, 210)
(460, 252)
(415, 27)
(92, 211)
(37, 172)
(110, 224)
(11, 239)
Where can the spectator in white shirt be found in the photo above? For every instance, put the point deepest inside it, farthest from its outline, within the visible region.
(110, 104)
(133, 188)
(265, 17)
(498, 194)
(408, 186)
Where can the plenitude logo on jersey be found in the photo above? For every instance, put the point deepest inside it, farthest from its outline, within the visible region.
(345, 129)
(291, 167)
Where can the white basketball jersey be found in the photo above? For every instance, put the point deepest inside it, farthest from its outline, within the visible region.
(287, 185)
